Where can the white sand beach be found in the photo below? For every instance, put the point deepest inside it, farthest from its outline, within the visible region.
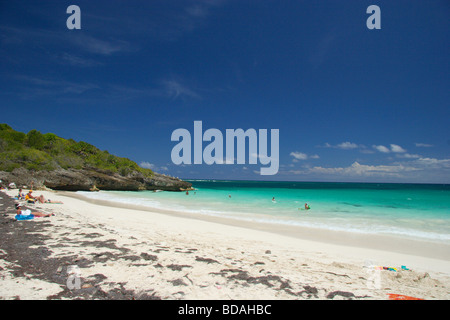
(166, 256)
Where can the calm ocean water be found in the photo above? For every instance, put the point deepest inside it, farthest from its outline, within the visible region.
(420, 211)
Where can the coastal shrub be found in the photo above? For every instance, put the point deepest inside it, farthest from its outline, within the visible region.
(59, 146)
(4, 127)
(34, 159)
(50, 137)
(67, 161)
(12, 140)
(3, 145)
(35, 139)
(83, 149)
(7, 162)
(49, 140)
(37, 151)
(9, 166)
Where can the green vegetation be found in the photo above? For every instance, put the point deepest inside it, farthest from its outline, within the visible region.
(37, 151)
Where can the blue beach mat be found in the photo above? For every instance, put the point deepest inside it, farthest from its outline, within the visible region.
(22, 217)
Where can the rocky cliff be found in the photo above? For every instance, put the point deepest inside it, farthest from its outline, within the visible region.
(91, 179)
(45, 160)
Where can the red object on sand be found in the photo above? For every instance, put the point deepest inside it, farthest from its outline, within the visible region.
(394, 296)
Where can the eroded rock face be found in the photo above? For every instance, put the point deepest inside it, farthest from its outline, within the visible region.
(91, 180)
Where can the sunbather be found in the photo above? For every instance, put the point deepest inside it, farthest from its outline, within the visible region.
(27, 212)
(29, 197)
(20, 196)
(42, 199)
(32, 199)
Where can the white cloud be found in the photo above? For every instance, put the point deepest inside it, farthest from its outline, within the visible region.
(302, 156)
(344, 145)
(347, 145)
(50, 86)
(397, 148)
(361, 170)
(73, 60)
(367, 151)
(424, 145)
(381, 148)
(180, 20)
(434, 163)
(230, 160)
(408, 156)
(151, 166)
(175, 89)
(394, 148)
(147, 165)
(412, 170)
(299, 155)
(100, 46)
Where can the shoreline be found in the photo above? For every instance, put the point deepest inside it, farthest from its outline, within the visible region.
(388, 243)
(130, 253)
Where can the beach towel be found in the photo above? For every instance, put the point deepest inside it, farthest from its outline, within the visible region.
(22, 217)
(393, 296)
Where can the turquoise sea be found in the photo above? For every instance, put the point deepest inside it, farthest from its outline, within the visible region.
(420, 211)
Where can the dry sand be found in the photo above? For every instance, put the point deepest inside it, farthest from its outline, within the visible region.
(98, 251)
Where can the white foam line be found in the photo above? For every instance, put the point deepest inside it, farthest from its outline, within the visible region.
(249, 217)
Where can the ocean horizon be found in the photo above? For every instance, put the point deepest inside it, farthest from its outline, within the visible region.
(408, 210)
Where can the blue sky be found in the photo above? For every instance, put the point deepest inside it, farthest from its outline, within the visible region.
(351, 104)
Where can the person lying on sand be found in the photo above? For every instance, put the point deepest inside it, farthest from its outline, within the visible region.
(50, 201)
(42, 199)
(32, 199)
(28, 212)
